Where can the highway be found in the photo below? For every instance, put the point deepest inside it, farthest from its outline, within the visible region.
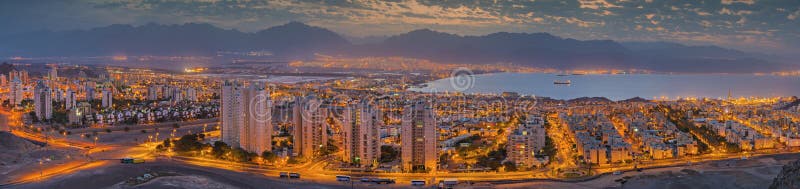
(104, 154)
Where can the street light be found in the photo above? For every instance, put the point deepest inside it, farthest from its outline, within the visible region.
(41, 170)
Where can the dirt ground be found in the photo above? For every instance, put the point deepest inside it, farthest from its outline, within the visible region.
(184, 177)
(754, 173)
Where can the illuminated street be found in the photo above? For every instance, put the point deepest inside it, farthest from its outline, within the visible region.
(208, 94)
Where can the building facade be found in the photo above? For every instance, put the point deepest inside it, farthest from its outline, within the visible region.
(245, 116)
(310, 126)
(361, 134)
(525, 141)
(15, 92)
(43, 104)
(419, 138)
(108, 98)
(69, 100)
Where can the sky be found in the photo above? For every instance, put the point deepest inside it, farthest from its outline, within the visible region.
(767, 26)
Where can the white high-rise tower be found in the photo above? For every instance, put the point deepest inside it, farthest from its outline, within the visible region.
(43, 104)
(361, 133)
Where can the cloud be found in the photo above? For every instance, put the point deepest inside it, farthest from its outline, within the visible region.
(576, 21)
(596, 4)
(579, 19)
(729, 2)
(793, 15)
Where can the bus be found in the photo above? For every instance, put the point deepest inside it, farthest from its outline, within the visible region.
(383, 181)
(342, 178)
(131, 161)
(417, 182)
(448, 183)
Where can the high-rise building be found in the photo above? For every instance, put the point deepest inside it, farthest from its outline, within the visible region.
(23, 75)
(256, 133)
(177, 94)
(15, 92)
(310, 126)
(52, 74)
(246, 116)
(419, 137)
(231, 106)
(525, 141)
(43, 104)
(69, 100)
(152, 92)
(3, 80)
(58, 96)
(108, 98)
(361, 134)
(191, 94)
(166, 91)
(89, 93)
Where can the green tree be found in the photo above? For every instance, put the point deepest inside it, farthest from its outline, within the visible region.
(220, 149)
(388, 154)
(188, 143)
(510, 166)
(269, 156)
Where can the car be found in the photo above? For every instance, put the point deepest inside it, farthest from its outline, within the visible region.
(417, 182)
(294, 175)
(448, 183)
(383, 181)
(131, 161)
(284, 174)
(342, 178)
(126, 160)
(617, 172)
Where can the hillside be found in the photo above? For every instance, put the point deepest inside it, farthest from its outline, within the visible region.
(297, 41)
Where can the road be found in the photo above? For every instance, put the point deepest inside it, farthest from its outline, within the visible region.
(105, 154)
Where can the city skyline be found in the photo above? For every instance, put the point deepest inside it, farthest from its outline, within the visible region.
(580, 94)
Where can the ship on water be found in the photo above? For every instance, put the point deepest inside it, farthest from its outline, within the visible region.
(565, 82)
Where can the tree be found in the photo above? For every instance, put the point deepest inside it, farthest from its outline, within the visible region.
(295, 159)
(126, 129)
(388, 154)
(269, 156)
(219, 149)
(239, 154)
(510, 166)
(188, 143)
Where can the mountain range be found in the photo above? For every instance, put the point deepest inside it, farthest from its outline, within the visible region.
(296, 40)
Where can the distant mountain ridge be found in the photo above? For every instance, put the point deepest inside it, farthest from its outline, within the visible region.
(185, 39)
(296, 40)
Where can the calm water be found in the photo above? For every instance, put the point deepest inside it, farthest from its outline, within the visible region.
(620, 87)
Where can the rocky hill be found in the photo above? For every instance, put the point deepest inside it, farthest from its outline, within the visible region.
(788, 178)
(13, 148)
